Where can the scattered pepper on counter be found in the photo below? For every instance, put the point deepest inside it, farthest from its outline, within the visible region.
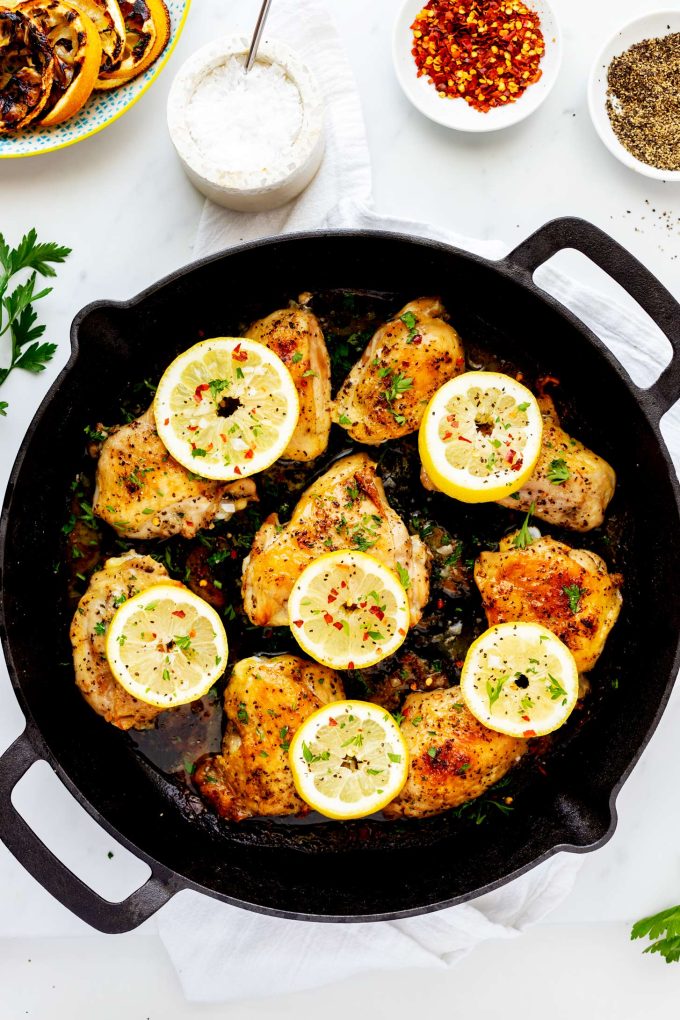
(486, 52)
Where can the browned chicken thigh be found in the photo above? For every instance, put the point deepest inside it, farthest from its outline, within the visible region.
(567, 590)
(142, 492)
(409, 358)
(453, 757)
(118, 580)
(570, 486)
(265, 702)
(294, 334)
(344, 509)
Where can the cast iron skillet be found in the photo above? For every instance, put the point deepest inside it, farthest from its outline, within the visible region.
(338, 872)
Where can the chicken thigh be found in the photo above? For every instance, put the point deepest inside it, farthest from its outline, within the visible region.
(409, 358)
(344, 509)
(570, 486)
(294, 334)
(265, 702)
(142, 492)
(118, 580)
(453, 757)
(567, 590)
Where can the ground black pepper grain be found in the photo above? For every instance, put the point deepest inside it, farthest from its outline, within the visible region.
(643, 100)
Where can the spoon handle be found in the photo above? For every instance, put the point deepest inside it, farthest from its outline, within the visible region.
(257, 35)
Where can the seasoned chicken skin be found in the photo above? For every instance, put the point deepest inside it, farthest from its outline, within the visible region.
(567, 590)
(409, 358)
(580, 501)
(118, 580)
(344, 509)
(265, 702)
(453, 757)
(294, 334)
(142, 492)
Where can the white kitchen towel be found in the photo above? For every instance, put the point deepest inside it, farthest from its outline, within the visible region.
(222, 953)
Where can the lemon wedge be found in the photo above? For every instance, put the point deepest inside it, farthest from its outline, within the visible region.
(480, 437)
(166, 646)
(349, 759)
(226, 408)
(348, 611)
(520, 679)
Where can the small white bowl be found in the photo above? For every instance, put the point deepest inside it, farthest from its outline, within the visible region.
(650, 26)
(273, 186)
(456, 113)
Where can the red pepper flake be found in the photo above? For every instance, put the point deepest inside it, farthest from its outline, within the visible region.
(529, 733)
(327, 618)
(447, 435)
(238, 355)
(332, 722)
(337, 625)
(199, 391)
(486, 52)
(350, 665)
(526, 718)
(377, 611)
(417, 340)
(233, 554)
(402, 632)
(464, 440)
(167, 421)
(223, 437)
(440, 603)
(298, 623)
(331, 598)
(250, 454)
(362, 605)
(343, 584)
(180, 613)
(237, 469)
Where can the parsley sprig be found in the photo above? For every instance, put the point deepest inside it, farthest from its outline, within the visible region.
(523, 538)
(664, 931)
(18, 318)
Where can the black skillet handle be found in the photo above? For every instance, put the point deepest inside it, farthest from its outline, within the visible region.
(55, 877)
(623, 267)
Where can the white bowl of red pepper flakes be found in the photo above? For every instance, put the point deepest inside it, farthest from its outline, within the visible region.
(477, 65)
(634, 95)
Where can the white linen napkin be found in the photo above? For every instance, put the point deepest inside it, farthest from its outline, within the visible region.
(222, 953)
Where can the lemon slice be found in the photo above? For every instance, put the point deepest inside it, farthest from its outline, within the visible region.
(480, 437)
(166, 646)
(226, 408)
(348, 611)
(520, 679)
(349, 759)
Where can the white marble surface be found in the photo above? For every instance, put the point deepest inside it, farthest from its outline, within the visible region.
(121, 201)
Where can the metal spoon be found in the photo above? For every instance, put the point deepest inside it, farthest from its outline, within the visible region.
(257, 35)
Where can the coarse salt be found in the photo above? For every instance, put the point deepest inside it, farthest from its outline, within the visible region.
(245, 123)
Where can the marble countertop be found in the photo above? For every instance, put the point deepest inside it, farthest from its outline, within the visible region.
(121, 201)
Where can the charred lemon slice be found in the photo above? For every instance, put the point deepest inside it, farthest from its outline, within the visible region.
(226, 408)
(166, 646)
(349, 759)
(348, 611)
(480, 437)
(77, 56)
(26, 70)
(147, 33)
(108, 20)
(520, 679)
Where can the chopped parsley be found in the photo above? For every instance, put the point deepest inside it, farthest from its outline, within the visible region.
(573, 593)
(494, 688)
(403, 577)
(523, 539)
(558, 472)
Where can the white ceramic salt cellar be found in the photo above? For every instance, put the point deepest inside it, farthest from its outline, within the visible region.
(247, 142)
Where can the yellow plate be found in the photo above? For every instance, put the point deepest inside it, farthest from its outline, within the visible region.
(101, 110)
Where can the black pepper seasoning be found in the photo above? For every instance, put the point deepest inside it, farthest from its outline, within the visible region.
(643, 100)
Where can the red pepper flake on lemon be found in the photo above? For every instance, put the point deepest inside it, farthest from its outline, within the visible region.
(486, 52)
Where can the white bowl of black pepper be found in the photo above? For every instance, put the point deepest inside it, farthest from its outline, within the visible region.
(634, 95)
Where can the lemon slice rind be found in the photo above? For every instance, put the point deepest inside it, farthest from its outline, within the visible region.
(166, 646)
(226, 408)
(355, 733)
(480, 437)
(348, 611)
(520, 679)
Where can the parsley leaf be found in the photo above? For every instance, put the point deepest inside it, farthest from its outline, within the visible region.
(573, 593)
(17, 316)
(494, 688)
(663, 929)
(558, 472)
(404, 577)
